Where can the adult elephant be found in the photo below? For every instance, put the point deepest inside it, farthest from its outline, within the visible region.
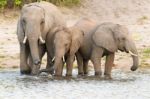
(64, 42)
(36, 20)
(105, 40)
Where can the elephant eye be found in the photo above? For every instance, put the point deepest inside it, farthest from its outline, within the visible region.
(66, 45)
(43, 21)
(123, 38)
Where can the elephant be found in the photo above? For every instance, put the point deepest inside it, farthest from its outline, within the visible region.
(64, 42)
(104, 40)
(86, 24)
(35, 22)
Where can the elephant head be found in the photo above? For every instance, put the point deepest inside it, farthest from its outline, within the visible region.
(67, 42)
(115, 37)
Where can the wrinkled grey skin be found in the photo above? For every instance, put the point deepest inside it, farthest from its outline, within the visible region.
(86, 25)
(105, 40)
(65, 42)
(36, 20)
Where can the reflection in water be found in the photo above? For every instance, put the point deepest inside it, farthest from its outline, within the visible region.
(130, 85)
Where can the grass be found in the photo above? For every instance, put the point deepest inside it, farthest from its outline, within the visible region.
(142, 20)
(146, 53)
(2, 56)
(68, 3)
(145, 58)
(136, 36)
(14, 67)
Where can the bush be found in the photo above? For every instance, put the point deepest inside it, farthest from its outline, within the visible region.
(65, 2)
(19, 3)
(3, 4)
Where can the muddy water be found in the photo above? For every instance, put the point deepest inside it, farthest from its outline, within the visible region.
(125, 85)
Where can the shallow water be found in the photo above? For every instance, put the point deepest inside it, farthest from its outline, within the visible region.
(125, 85)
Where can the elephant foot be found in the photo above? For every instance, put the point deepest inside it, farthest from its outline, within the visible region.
(35, 70)
(107, 76)
(49, 71)
(25, 72)
(85, 73)
(58, 77)
(80, 74)
(98, 74)
(68, 75)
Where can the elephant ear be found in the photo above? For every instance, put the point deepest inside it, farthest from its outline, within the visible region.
(104, 38)
(20, 31)
(77, 39)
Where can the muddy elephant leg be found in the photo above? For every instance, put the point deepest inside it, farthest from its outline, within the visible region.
(96, 60)
(24, 52)
(69, 65)
(49, 65)
(85, 66)
(80, 64)
(108, 65)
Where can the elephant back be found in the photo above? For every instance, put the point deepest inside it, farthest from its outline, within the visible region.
(86, 24)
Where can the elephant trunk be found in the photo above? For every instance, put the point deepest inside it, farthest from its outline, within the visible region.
(58, 66)
(33, 43)
(135, 62)
(133, 51)
(59, 58)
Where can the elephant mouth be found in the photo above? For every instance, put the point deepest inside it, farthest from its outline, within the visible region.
(124, 50)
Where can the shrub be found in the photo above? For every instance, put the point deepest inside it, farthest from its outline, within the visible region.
(3, 4)
(19, 3)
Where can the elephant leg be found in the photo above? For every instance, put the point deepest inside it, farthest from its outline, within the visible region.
(108, 65)
(85, 66)
(50, 65)
(96, 60)
(80, 64)
(42, 50)
(24, 52)
(30, 60)
(69, 65)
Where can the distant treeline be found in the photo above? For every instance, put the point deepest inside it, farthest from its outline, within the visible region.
(19, 3)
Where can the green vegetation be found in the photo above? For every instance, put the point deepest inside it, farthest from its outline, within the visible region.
(145, 56)
(2, 4)
(20, 3)
(142, 20)
(65, 2)
(146, 53)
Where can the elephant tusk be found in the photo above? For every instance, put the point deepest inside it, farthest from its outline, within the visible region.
(63, 59)
(41, 40)
(25, 39)
(133, 53)
(53, 59)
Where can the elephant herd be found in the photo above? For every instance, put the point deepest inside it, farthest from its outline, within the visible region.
(42, 29)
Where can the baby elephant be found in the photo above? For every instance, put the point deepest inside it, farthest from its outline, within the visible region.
(105, 40)
(64, 42)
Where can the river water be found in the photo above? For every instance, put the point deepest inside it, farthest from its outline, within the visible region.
(124, 85)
